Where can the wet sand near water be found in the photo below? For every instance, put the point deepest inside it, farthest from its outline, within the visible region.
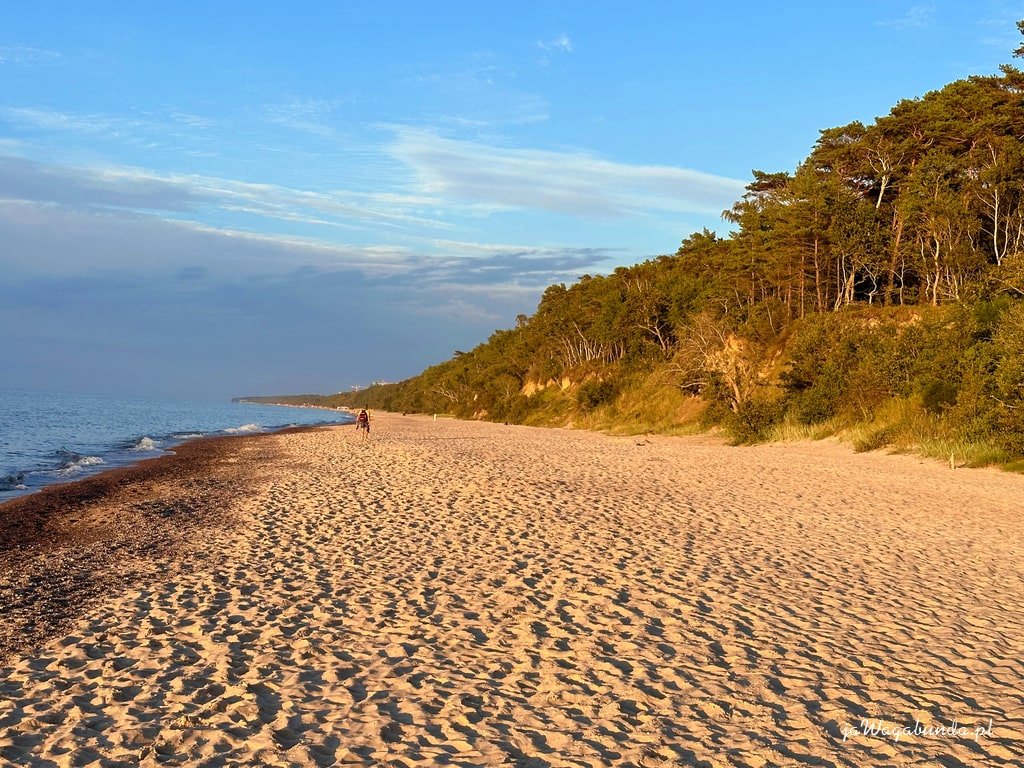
(472, 594)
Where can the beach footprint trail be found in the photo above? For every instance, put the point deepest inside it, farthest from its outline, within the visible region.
(471, 594)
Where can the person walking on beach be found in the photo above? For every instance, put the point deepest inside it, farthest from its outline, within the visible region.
(363, 424)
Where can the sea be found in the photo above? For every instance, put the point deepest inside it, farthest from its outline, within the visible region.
(48, 437)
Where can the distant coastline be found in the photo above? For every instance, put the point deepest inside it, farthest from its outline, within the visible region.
(286, 401)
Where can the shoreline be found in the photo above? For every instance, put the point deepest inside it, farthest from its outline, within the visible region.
(459, 592)
(55, 438)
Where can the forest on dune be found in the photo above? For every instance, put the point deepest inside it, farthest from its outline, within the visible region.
(875, 292)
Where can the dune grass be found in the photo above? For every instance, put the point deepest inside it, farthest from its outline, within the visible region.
(647, 405)
(902, 425)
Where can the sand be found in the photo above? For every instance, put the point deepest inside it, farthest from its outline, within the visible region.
(471, 594)
(72, 544)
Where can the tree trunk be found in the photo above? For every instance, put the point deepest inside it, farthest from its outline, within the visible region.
(897, 225)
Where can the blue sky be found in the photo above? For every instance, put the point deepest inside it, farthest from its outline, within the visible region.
(210, 199)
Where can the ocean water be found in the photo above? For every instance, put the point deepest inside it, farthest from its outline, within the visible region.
(48, 438)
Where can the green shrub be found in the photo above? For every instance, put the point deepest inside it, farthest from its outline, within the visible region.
(1008, 383)
(513, 409)
(986, 316)
(755, 420)
(938, 395)
(716, 394)
(595, 392)
(839, 364)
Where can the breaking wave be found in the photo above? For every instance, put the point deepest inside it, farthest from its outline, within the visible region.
(76, 463)
(244, 428)
(13, 482)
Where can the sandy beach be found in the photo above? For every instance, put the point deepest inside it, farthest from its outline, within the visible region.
(473, 594)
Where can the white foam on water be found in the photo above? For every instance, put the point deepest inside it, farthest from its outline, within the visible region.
(244, 428)
(146, 444)
(76, 466)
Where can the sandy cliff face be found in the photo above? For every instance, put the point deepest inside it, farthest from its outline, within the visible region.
(531, 388)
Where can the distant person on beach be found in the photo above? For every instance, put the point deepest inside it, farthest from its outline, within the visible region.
(363, 424)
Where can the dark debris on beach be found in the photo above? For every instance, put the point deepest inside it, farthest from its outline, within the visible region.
(66, 546)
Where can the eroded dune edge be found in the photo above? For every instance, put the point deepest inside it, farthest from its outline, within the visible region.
(462, 593)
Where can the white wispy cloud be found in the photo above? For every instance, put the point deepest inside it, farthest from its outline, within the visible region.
(344, 207)
(433, 179)
(192, 121)
(306, 115)
(27, 56)
(481, 92)
(47, 239)
(134, 123)
(561, 43)
(572, 183)
(469, 248)
(170, 193)
(999, 29)
(470, 263)
(55, 121)
(916, 17)
(133, 205)
(525, 254)
(51, 239)
(451, 307)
